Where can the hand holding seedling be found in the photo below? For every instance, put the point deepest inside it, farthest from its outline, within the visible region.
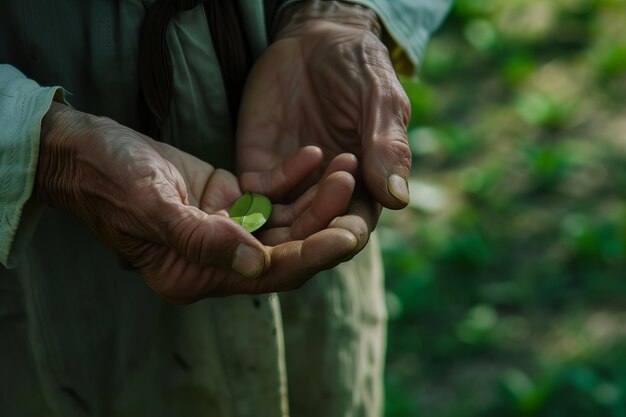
(164, 211)
(327, 80)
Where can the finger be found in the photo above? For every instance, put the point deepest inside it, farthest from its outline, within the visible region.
(343, 162)
(331, 200)
(284, 215)
(361, 218)
(214, 241)
(386, 152)
(276, 183)
(220, 192)
(294, 262)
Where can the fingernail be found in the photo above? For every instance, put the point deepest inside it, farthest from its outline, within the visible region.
(398, 188)
(248, 261)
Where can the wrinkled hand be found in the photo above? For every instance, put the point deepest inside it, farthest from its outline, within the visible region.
(327, 80)
(164, 210)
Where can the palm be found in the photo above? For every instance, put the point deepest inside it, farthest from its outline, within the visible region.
(287, 105)
(210, 192)
(332, 86)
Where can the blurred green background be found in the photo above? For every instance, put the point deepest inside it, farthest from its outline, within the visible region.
(506, 277)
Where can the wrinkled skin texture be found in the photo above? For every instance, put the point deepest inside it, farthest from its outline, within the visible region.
(164, 210)
(327, 80)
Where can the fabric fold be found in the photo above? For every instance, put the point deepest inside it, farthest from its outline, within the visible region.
(23, 103)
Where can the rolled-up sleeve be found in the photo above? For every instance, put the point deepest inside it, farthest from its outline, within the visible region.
(23, 103)
(409, 24)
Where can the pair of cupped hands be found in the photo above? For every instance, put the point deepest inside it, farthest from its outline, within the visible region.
(321, 132)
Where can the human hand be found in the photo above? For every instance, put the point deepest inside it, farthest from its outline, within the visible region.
(327, 80)
(163, 210)
(214, 190)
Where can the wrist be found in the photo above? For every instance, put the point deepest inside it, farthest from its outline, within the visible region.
(304, 14)
(57, 150)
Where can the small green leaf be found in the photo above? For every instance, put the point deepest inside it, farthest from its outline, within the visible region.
(241, 206)
(251, 222)
(251, 211)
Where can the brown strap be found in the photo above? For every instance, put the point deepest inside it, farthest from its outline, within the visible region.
(230, 47)
(155, 65)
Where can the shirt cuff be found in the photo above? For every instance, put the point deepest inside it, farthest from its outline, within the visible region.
(23, 103)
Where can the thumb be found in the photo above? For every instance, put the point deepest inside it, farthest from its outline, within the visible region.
(216, 241)
(386, 152)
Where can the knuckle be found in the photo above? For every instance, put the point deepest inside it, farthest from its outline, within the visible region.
(213, 244)
(400, 152)
(404, 105)
(393, 152)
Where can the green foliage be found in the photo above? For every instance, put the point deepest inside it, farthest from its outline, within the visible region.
(506, 276)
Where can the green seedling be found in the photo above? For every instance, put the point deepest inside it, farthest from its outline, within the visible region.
(251, 211)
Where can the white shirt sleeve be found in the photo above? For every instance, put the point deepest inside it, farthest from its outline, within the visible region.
(23, 103)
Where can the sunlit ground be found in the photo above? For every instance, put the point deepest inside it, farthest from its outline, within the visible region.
(507, 275)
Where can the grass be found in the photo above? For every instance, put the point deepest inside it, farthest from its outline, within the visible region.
(506, 277)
